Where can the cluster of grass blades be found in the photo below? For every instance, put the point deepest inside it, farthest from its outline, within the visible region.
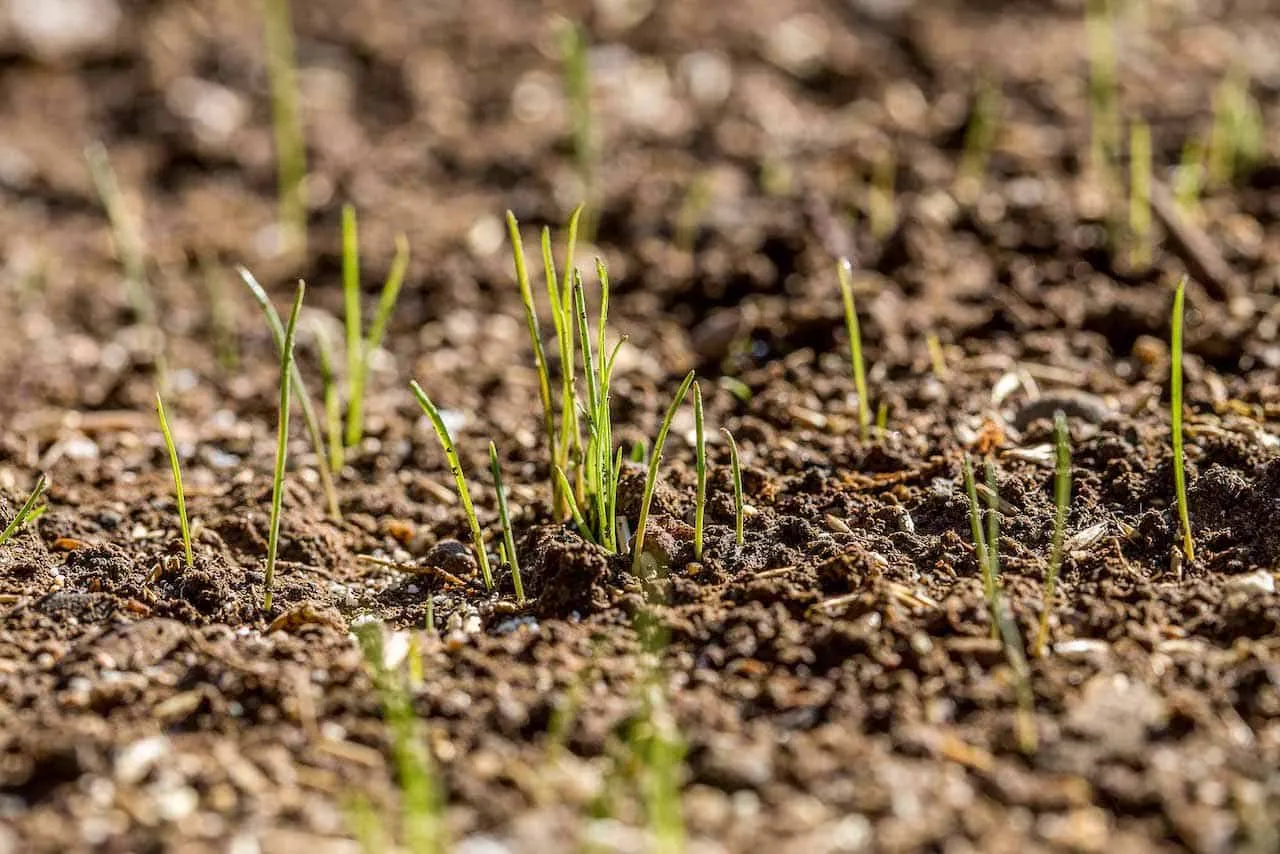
(30, 511)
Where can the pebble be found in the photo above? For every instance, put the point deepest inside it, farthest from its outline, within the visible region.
(65, 29)
(1254, 583)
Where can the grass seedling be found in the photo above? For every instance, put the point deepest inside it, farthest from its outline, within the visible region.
(1236, 141)
(539, 351)
(659, 751)
(736, 467)
(282, 443)
(575, 513)
(845, 272)
(128, 243)
(1104, 109)
(1002, 623)
(881, 213)
(1189, 177)
(28, 512)
(577, 88)
(422, 799)
(1140, 194)
(882, 419)
(1175, 418)
(299, 388)
(460, 480)
(979, 137)
(651, 477)
(222, 318)
(360, 347)
(1062, 501)
(286, 120)
(508, 538)
(700, 450)
(178, 493)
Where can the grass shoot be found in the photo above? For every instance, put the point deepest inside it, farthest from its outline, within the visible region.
(331, 400)
(179, 494)
(1062, 502)
(282, 443)
(124, 233)
(459, 479)
(700, 450)
(736, 467)
(651, 478)
(28, 512)
(1104, 103)
(1175, 419)
(1140, 194)
(1189, 177)
(577, 88)
(881, 210)
(508, 538)
(312, 423)
(286, 121)
(1236, 141)
(845, 272)
(979, 137)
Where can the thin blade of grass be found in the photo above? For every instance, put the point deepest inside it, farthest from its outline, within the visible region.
(736, 470)
(1062, 502)
(845, 272)
(282, 443)
(1175, 419)
(700, 453)
(508, 537)
(353, 323)
(459, 479)
(286, 121)
(26, 512)
(178, 493)
(651, 478)
(300, 388)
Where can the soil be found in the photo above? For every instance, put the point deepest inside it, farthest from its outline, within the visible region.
(834, 679)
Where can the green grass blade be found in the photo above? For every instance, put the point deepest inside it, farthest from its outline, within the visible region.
(388, 298)
(700, 450)
(1140, 194)
(128, 242)
(179, 495)
(459, 479)
(1175, 419)
(993, 523)
(286, 121)
(27, 512)
(282, 443)
(736, 467)
(575, 513)
(299, 388)
(508, 537)
(1062, 501)
(651, 478)
(539, 352)
(845, 272)
(354, 324)
(979, 536)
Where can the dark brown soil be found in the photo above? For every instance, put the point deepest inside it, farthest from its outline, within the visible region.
(833, 678)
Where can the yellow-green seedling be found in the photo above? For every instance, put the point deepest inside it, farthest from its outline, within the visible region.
(1062, 502)
(658, 752)
(504, 516)
(28, 512)
(735, 466)
(299, 390)
(1002, 623)
(844, 271)
(1104, 101)
(422, 801)
(361, 347)
(1237, 140)
(1189, 177)
(124, 233)
(577, 87)
(979, 137)
(575, 513)
(282, 443)
(651, 477)
(882, 213)
(178, 493)
(459, 479)
(1175, 419)
(700, 452)
(1140, 194)
(286, 120)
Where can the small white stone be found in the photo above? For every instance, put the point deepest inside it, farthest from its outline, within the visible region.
(1254, 583)
(63, 28)
(135, 761)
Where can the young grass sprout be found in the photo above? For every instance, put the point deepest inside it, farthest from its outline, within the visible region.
(1175, 419)
(464, 494)
(28, 512)
(845, 271)
(1062, 502)
(651, 478)
(312, 423)
(1140, 194)
(178, 493)
(282, 443)
(736, 466)
(700, 450)
(508, 538)
(361, 346)
(286, 120)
